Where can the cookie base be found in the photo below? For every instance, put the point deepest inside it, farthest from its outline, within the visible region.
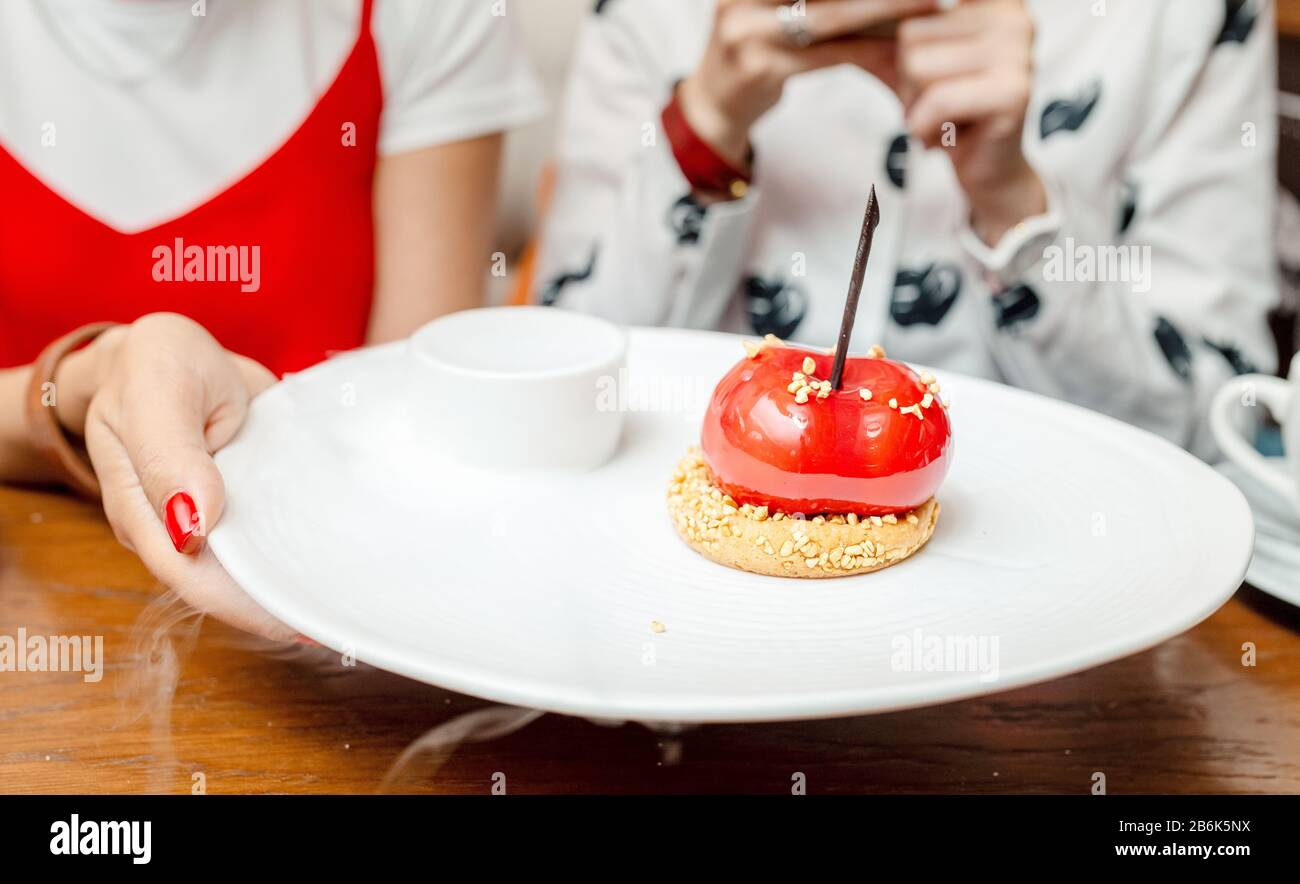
(762, 542)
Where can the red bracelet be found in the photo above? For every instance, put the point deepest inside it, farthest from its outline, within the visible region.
(703, 167)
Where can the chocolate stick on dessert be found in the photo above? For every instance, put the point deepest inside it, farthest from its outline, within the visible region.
(869, 222)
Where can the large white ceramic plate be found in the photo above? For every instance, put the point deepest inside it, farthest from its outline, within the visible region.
(1066, 540)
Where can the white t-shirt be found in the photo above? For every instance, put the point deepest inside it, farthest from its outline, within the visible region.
(135, 111)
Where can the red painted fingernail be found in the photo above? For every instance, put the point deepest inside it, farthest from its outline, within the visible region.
(183, 522)
(310, 642)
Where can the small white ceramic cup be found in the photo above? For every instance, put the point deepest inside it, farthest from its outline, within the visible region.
(519, 388)
(1282, 399)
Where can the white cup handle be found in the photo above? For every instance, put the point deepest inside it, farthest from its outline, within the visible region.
(1273, 393)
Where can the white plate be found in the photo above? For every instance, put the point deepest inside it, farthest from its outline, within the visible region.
(1067, 540)
(1275, 567)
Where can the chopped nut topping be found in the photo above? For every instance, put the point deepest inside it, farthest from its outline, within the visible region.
(893, 403)
(927, 400)
(914, 409)
(875, 351)
(804, 385)
(656, 626)
(865, 394)
(706, 516)
(752, 349)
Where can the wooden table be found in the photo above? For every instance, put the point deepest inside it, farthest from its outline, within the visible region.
(1184, 717)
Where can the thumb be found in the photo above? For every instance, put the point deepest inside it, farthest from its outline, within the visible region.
(166, 440)
(195, 504)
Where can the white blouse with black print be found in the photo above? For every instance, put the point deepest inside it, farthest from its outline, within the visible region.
(1144, 286)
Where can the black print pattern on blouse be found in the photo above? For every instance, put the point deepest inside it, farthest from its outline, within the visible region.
(1068, 114)
(1238, 20)
(924, 296)
(1015, 305)
(1127, 205)
(686, 218)
(776, 307)
(896, 161)
(555, 287)
(1233, 355)
(1174, 346)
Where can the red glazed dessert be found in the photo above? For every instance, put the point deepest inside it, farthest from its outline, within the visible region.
(851, 472)
(880, 444)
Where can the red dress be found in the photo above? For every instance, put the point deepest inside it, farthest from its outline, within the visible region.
(300, 223)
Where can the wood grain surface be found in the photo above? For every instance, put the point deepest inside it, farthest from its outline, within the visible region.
(1187, 716)
(1288, 17)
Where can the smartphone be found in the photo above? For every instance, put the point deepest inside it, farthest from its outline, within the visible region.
(885, 30)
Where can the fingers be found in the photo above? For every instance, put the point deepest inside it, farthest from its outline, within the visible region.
(973, 35)
(256, 376)
(839, 18)
(125, 507)
(174, 397)
(957, 21)
(756, 45)
(960, 101)
(162, 424)
(203, 583)
(927, 63)
(229, 416)
(971, 64)
(199, 579)
(824, 20)
(878, 57)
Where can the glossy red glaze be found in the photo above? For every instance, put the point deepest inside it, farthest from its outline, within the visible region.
(836, 455)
